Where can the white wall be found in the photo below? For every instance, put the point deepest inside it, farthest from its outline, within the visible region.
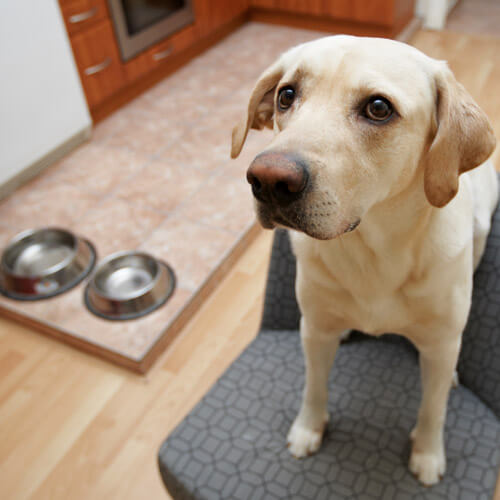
(41, 100)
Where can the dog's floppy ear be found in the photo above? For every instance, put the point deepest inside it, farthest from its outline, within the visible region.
(260, 107)
(464, 139)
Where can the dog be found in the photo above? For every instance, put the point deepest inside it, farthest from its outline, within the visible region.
(371, 137)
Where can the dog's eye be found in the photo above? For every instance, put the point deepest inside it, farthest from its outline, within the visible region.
(378, 109)
(285, 98)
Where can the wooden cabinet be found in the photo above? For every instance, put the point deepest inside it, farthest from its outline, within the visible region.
(312, 7)
(98, 61)
(215, 14)
(109, 82)
(366, 11)
(388, 13)
(80, 15)
(103, 73)
(94, 47)
(160, 53)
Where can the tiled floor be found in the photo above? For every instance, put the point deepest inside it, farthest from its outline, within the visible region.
(156, 176)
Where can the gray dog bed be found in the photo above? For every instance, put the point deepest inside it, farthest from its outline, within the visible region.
(233, 443)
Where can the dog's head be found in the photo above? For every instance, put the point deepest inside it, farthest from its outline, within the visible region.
(357, 121)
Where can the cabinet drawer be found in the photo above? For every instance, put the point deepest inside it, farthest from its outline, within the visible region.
(160, 53)
(98, 61)
(82, 14)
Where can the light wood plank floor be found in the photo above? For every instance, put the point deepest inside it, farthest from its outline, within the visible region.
(74, 427)
(479, 17)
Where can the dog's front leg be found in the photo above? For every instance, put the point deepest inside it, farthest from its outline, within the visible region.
(304, 437)
(437, 365)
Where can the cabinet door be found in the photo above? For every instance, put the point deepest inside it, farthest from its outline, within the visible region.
(83, 14)
(367, 11)
(98, 61)
(215, 14)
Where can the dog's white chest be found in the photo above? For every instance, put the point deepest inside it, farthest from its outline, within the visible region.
(367, 293)
(381, 314)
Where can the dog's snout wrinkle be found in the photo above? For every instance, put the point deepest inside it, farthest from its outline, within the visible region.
(277, 177)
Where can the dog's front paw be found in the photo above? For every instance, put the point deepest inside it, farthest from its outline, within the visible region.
(428, 467)
(303, 441)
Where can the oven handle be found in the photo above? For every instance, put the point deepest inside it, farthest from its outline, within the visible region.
(92, 70)
(83, 16)
(163, 54)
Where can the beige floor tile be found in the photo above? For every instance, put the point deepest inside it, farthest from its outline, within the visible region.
(192, 250)
(171, 83)
(212, 85)
(224, 202)
(206, 146)
(49, 203)
(117, 225)
(162, 185)
(99, 169)
(6, 234)
(52, 310)
(144, 135)
(111, 125)
(180, 106)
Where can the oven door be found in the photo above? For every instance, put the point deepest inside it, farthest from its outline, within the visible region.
(141, 23)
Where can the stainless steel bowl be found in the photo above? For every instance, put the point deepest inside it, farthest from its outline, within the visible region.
(128, 285)
(41, 263)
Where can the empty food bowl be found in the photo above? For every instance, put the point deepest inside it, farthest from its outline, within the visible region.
(128, 285)
(41, 263)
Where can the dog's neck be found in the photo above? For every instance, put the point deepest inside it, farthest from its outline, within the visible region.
(395, 224)
(399, 221)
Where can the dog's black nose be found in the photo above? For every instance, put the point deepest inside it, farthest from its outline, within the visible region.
(278, 177)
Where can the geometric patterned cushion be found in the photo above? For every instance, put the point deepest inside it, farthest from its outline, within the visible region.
(281, 311)
(479, 363)
(233, 444)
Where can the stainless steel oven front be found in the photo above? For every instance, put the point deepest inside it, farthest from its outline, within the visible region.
(141, 23)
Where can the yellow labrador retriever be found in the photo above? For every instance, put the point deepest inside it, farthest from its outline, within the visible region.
(371, 136)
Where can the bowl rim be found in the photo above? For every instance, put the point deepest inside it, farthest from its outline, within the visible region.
(23, 297)
(17, 239)
(116, 256)
(164, 267)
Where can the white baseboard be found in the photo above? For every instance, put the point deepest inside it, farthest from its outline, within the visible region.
(38, 166)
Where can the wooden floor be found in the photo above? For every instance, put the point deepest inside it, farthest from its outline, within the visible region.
(73, 427)
(476, 17)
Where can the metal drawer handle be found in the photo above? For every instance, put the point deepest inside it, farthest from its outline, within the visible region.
(92, 70)
(79, 18)
(161, 55)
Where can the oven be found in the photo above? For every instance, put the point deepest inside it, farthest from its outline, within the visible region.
(142, 23)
